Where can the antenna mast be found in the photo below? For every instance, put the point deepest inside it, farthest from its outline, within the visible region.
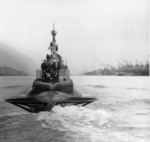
(53, 32)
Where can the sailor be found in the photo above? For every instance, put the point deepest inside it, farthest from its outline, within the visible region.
(52, 64)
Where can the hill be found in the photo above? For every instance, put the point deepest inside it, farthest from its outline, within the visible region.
(7, 71)
(14, 59)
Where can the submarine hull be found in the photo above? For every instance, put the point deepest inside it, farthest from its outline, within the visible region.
(35, 105)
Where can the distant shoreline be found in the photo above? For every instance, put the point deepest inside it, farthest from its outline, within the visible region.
(9, 71)
(124, 69)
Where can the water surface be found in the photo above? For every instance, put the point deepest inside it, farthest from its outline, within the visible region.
(120, 115)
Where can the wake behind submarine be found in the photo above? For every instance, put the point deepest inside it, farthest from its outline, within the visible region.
(52, 86)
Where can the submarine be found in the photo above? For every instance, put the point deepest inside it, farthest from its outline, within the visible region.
(52, 86)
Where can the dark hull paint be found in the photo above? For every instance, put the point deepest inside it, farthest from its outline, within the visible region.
(46, 101)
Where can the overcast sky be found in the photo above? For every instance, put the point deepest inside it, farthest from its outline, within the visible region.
(90, 32)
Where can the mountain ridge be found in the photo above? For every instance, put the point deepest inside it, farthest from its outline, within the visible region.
(16, 59)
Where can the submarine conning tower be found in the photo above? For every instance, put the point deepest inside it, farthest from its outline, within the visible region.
(53, 33)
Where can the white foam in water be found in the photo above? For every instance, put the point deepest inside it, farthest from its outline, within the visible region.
(75, 119)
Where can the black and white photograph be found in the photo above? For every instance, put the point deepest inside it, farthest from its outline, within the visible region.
(74, 71)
